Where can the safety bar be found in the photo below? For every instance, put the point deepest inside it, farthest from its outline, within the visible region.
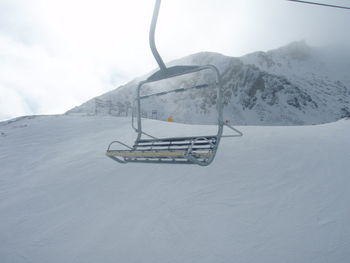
(127, 146)
(219, 104)
(174, 91)
(116, 158)
(239, 133)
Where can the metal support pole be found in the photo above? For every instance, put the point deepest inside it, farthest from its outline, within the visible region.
(151, 36)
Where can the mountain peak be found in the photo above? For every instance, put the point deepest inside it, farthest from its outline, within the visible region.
(285, 86)
(298, 50)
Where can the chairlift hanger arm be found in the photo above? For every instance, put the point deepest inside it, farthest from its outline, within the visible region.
(151, 36)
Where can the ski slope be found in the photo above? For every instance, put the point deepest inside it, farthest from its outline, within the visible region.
(278, 194)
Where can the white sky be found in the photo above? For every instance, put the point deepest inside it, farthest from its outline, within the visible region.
(56, 54)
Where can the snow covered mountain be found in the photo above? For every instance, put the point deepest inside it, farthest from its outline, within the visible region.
(295, 84)
(278, 194)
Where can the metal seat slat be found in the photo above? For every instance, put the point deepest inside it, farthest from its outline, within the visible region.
(159, 150)
(177, 139)
(149, 154)
(172, 145)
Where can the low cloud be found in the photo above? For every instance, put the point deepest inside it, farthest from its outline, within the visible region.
(57, 54)
(33, 81)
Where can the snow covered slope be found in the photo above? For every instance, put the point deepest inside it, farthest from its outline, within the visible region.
(295, 84)
(278, 194)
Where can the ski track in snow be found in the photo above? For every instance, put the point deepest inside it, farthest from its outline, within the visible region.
(278, 194)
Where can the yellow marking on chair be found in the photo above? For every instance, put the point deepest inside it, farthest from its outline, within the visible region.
(153, 154)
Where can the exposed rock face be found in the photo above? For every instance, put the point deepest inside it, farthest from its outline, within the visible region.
(295, 84)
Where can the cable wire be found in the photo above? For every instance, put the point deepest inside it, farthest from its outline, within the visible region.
(320, 4)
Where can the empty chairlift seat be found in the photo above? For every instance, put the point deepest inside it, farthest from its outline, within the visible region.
(168, 150)
(199, 150)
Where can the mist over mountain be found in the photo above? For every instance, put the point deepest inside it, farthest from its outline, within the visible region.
(292, 85)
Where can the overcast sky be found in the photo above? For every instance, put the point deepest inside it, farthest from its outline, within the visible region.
(56, 54)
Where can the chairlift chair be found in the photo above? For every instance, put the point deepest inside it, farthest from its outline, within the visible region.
(199, 150)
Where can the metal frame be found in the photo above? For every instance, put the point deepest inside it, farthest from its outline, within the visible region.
(165, 73)
(151, 79)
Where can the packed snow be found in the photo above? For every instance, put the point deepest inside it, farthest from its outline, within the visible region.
(277, 194)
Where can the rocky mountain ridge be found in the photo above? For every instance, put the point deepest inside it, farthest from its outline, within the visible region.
(293, 85)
